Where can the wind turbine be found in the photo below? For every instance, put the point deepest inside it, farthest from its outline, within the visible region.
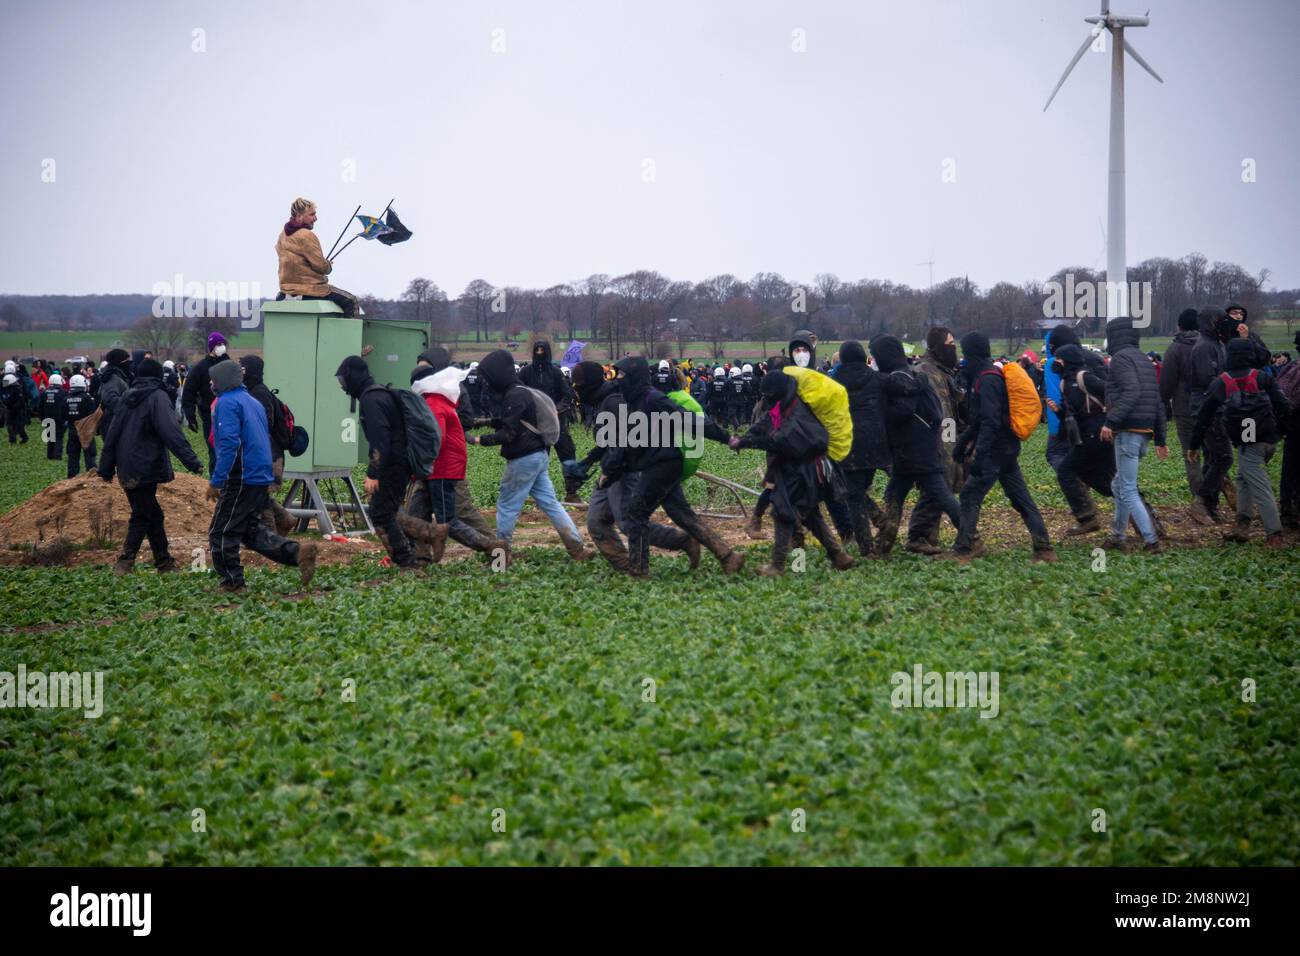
(1116, 264)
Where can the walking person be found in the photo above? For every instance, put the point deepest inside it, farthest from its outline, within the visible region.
(138, 449)
(1176, 388)
(197, 396)
(81, 404)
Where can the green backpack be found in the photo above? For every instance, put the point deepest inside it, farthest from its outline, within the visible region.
(690, 465)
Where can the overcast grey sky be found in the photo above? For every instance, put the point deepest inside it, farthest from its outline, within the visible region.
(528, 166)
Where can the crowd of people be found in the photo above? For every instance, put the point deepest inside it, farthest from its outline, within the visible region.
(949, 424)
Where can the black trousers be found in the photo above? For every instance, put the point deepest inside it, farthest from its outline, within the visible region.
(933, 486)
(146, 522)
(1091, 464)
(16, 424)
(1289, 492)
(980, 482)
(659, 485)
(1072, 481)
(54, 449)
(238, 522)
(384, 505)
(859, 507)
(343, 299)
(1218, 462)
(75, 453)
(606, 516)
(205, 422)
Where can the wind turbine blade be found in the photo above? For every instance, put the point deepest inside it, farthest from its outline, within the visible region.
(1088, 41)
(1128, 48)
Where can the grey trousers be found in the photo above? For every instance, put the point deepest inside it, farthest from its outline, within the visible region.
(1184, 424)
(1253, 486)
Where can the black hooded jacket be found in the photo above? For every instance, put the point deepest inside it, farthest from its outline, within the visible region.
(381, 419)
(1175, 372)
(990, 413)
(793, 447)
(1132, 391)
(913, 439)
(1086, 404)
(254, 381)
(498, 371)
(144, 429)
(197, 396)
(114, 382)
(661, 428)
(547, 378)
(1206, 359)
(866, 407)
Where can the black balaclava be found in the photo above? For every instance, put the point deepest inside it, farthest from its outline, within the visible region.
(975, 349)
(852, 353)
(1234, 305)
(778, 388)
(889, 353)
(636, 378)
(354, 376)
(498, 370)
(1240, 354)
(149, 368)
(1120, 334)
(1187, 320)
(137, 356)
(542, 354)
(437, 357)
(588, 380)
(254, 371)
(422, 371)
(1061, 336)
(935, 343)
(1069, 360)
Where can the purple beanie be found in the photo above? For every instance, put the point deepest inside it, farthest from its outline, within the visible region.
(215, 339)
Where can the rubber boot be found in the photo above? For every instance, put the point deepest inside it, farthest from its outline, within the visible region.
(780, 551)
(308, 551)
(282, 521)
(1239, 532)
(755, 526)
(613, 552)
(432, 536)
(888, 532)
(473, 539)
(123, 565)
(577, 550)
(840, 558)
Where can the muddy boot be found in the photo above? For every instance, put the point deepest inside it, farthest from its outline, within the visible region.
(1043, 553)
(577, 550)
(1230, 493)
(780, 551)
(284, 523)
(572, 489)
(430, 539)
(1239, 532)
(308, 551)
(1275, 540)
(1085, 525)
(1154, 547)
(888, 532)
(692, 550)
(474, 539)
(840, 558)
(613, 552)
(755, 526)
(922, 546)
(730, 559)
(167, 565)
(1200, 513)
(123, 565)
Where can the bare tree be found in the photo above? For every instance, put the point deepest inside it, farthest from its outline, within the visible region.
(163, 336)
(477, 298)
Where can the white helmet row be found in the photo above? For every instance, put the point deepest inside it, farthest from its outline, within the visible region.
(78, 381)
(56, 379)
(169, 364)
(719, 372)
(747, 368)
(735, 372)
(11, 368)
(11, 379)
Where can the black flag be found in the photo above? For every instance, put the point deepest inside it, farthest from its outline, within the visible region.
(399, 234)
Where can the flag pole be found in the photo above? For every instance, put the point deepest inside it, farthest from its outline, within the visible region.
(388, 207)
(345, 245)
(344, 229)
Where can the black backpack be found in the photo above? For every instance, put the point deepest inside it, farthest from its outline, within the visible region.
(1244, 399)
(423, 437)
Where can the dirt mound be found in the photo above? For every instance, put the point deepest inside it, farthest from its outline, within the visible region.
(88, 510)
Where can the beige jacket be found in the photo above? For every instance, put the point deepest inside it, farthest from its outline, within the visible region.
(303, 267)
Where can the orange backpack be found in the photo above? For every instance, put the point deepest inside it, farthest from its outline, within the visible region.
(1024, 407)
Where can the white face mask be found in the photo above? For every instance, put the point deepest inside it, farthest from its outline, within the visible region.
(219, 351)
(801, 357)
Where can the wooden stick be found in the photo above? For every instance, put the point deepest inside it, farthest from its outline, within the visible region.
(345, 229)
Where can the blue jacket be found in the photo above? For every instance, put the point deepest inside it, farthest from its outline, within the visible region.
(243, 440)
(1051, 385)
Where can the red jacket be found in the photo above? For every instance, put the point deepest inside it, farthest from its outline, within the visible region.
(435, 388)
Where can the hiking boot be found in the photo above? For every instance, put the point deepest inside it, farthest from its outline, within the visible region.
(226, 587)
(614, 553)
(922, 547)
(1113, 542)
(439, 542)
(1084, 526)
(692, 550)
(123, 566)
(577, 550)
(307, 554)
(1154, 547)
(1200, 513)
(285, 523)
(780, 550)
(842, 560)
(733, 562)
(754, 528)
(1240, 531)
(1275, 540)
(1044, 556)
(167, 565)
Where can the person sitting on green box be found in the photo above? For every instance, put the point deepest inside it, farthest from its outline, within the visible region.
(303, 267)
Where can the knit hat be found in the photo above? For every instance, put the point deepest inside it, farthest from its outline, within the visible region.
(438, 357)
(215, 339)
(1062, 335)
(889, 353)
(117, 356)
(1187, 320)
(149, 368)
(975, 345)
(934, 339)
(225, 376)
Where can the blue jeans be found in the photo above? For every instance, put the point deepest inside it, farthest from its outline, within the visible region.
(529, 476)
(1129, 449)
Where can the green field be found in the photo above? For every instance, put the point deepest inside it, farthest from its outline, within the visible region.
(57, 346)
(524, 692)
